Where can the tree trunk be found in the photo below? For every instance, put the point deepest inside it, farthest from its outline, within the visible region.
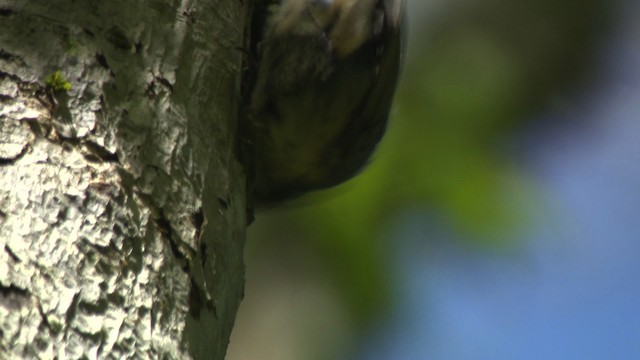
(122, 204)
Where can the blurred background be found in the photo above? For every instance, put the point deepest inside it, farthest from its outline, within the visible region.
(499, 216)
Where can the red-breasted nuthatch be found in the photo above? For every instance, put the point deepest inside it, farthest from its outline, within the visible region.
(325, 80)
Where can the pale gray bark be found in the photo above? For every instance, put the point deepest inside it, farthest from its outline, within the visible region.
(122, 204)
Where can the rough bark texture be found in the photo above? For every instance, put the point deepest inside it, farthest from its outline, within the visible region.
(122, 209)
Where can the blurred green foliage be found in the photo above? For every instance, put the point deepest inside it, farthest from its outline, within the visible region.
(474, 76)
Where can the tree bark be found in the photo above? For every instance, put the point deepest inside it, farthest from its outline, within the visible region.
(122, 203)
